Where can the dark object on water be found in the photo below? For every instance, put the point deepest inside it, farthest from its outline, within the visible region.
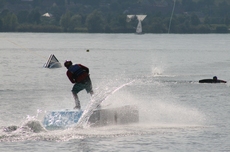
(10, 128)
(31, 125)
(214, 80)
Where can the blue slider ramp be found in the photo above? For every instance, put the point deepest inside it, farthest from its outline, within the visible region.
(61, 119)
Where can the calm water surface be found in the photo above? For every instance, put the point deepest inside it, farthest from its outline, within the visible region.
(176, 112)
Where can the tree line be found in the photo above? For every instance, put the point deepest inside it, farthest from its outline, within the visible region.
(98, 16)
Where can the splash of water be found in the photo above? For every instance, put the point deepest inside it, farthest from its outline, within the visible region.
(156, 71)
(95, 102)
(31, 123)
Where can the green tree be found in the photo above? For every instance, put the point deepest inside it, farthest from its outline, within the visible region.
(36, 3)
(227, 20)
(195, 20)
(118, 22)
(10, 22)
(75, 21)
(60, 2)
(4, 13)
(203, 3)
(34, 17)
(115, 6)
(57, 12)
(1, 25)
(189, 5)
(2, 3)
(122, 21)
(221, 29)
(65, 21)
(223, 9)
(94, 22)
(91, 2)
(157, 25)
(207, 20)
(22, 16)
(14, 22)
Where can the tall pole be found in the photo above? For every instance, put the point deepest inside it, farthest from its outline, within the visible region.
(171, 16)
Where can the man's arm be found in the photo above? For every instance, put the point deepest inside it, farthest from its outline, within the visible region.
(70, 76)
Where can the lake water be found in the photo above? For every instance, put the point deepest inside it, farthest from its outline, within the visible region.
(176, 112)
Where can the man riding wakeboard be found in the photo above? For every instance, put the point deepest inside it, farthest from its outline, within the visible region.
(79, 75)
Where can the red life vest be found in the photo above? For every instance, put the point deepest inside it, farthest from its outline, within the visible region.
(79, 74)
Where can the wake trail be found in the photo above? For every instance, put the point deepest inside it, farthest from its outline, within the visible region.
(95, 102)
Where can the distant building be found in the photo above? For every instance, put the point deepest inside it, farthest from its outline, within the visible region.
(47, 15)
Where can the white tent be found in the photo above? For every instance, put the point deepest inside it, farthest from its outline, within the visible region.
(47, 15)
(141, 17)
(130, 17)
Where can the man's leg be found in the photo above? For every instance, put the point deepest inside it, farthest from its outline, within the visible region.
(77, 101)
(88, 87)
(76, 88)
(91, 93)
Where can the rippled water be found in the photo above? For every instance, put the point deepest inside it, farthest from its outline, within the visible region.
(176, 112)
